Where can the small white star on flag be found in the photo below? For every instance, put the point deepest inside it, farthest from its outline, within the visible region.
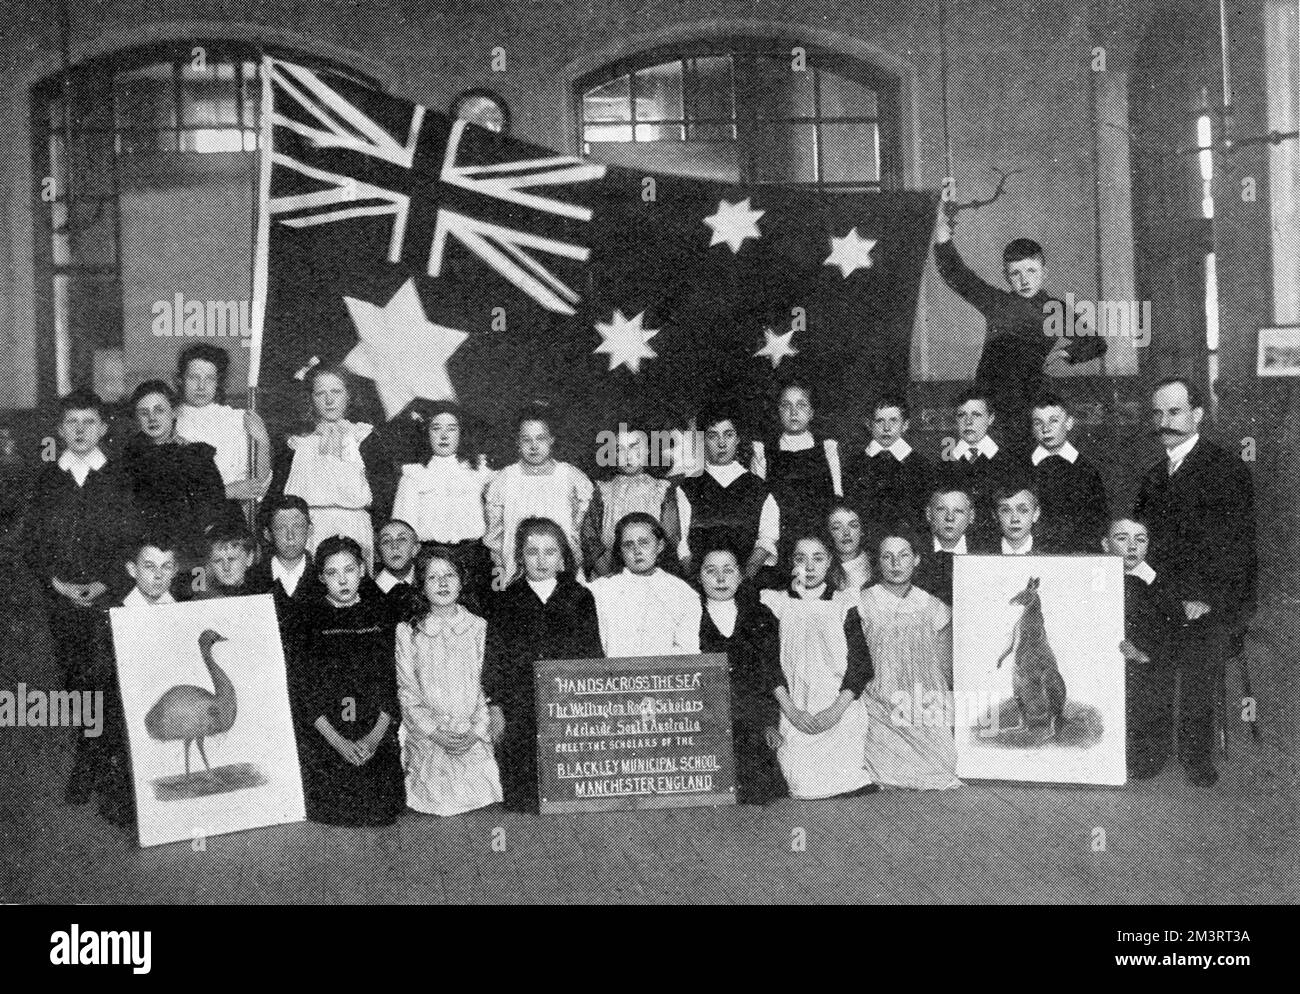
(777, 347)
(404, 352)
(850, 253)
(733, 223)
(625, 341)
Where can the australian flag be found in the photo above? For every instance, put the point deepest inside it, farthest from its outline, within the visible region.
(440, 260)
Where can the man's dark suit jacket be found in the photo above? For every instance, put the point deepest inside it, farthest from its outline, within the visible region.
(1202, 524)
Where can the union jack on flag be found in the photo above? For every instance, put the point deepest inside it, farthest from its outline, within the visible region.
(440, 260)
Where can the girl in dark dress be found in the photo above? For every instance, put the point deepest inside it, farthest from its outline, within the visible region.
(543, 614)
(176, 484)
(735, 622)
(344, 688)
(802, 469)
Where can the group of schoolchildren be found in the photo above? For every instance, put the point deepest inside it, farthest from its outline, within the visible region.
(411, 634)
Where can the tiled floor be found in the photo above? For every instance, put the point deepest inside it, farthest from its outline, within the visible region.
(1165, 840)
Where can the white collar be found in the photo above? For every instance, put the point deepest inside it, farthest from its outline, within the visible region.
(1024, 550)
(544, 588)
(796, 443)
(728, 474)
(137, 599)
(1067, 452)
(1179, 452)
(458, 623)
(284, 574)
(900, 450)
(957, 550)
(723, 614)
(985, 447)
(81, 466)
(386, 581)
(1143, 572)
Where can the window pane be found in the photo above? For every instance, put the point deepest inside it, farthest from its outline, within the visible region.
(145, 142)
(850, 152)
(659, 93)
(607, 133)
(785, 153)
(714, 161)
(713, 98)
(711, 132)
(779, 91)
(841, 97)
(659, 132)
(146, 97)
(610, 102)
(209, 107)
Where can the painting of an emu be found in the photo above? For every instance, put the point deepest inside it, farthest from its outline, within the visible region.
(206, 701)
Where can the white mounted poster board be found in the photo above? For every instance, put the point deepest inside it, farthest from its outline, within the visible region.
(206, 700)
(1038, 675)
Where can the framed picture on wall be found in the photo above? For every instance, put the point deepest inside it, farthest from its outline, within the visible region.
(1038, 676)
(1279, 351)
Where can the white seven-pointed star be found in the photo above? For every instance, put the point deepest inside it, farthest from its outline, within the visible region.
(404, 352)
(733, 223)
(625, 341)
(850, 252)
(777, 347)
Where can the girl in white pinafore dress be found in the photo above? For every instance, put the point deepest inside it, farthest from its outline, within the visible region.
(826, 664)
(447, 750)
(909, 740)
(327, 469)
(537, 486)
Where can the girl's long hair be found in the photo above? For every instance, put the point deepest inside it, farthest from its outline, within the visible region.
(543, 526)
(834, 574)
(667, 560)
(420, 606)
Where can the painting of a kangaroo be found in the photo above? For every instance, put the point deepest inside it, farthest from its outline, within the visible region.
(1036, 683)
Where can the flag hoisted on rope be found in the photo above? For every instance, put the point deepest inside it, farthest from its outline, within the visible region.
(444, 261)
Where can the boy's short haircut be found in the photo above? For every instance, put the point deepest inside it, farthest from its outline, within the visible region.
(1195, 397)
(163, 541)
(979, 392)
(1132, 519)
(284, 502)
(219, 358)
(149, 387)
(1008, 488)
(1045, 400)
(892, 400)
(944, 491)
(716, 413)
(1019, 249)
(403, 524)
(81, 399)
(798, 383)
(229, 533)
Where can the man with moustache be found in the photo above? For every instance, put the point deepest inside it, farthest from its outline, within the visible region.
(1199, 503)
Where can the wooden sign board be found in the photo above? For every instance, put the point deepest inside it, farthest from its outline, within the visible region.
(645, 732)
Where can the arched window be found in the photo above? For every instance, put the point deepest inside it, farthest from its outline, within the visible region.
(745, 111)
(146, 165)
